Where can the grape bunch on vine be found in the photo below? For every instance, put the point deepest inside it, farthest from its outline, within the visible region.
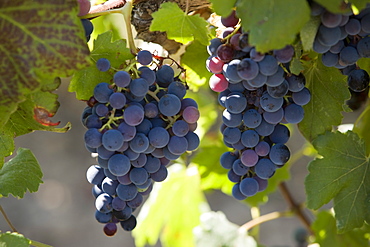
(186, 111)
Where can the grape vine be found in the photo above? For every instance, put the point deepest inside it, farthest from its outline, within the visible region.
(235, 96)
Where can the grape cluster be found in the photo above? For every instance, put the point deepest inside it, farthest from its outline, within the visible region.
(259, 96)
(343, 39)
(136, 126)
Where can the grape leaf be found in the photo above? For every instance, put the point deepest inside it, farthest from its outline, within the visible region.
(328, 94)
(32, 114)
(296, 67)
(40, 38)
(176, 218)
(193, 61)
(84, 81)
(326, 233)
(6, 145)
(339, 6)
(222, 7)
(308, 32)
(343, 174)
(272, 24)
(20, 174)
(362, 126)
(182, 28)
(9, 239)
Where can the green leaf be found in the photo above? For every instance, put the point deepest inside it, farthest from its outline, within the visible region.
(296, 66)
(343, 174)
(362, 126)
(172, 210)
(43, 39)
(216, 230)
(20, 174)
(32, 114)
(326, 233)
(222, 7)
(178, 25)
(308, 32)
(328, 95)
(272, 24)
(339, 6)
(23, 121)
(84, 81)
(193, 61)
(13, 239)
(6, 145)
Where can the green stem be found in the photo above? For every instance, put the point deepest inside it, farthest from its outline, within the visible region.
(264, 218)
(7, 219)
(126, 11)
(255, 213)
(154, 95)
(38, 244)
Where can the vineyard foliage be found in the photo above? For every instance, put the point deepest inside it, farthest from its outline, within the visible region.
(44, 40)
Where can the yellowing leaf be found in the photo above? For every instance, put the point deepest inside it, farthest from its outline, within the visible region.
(40, 38)
(178, 25)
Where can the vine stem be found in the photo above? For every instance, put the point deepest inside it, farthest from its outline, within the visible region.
(264, 218)
(296, 208)
(7, 219)
(38, 244)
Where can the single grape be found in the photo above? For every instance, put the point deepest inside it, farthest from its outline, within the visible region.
(249, 158)
(117, 100)
(285, 54)
(265, 168)
(279, 154)
(358, 80)
(158, 137)
(293, 113)
(103, 64)
(93, 138)
(110, 229)
(249, 186)
(169, 105)
(144, 57)
(126, 192)
(95, 175)
(102, 92)
(119, 164)
(165, 75)
(122, 78)
(129, 224)
(231, 20)
(191, 114)
(218, 82)
(112, 140)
